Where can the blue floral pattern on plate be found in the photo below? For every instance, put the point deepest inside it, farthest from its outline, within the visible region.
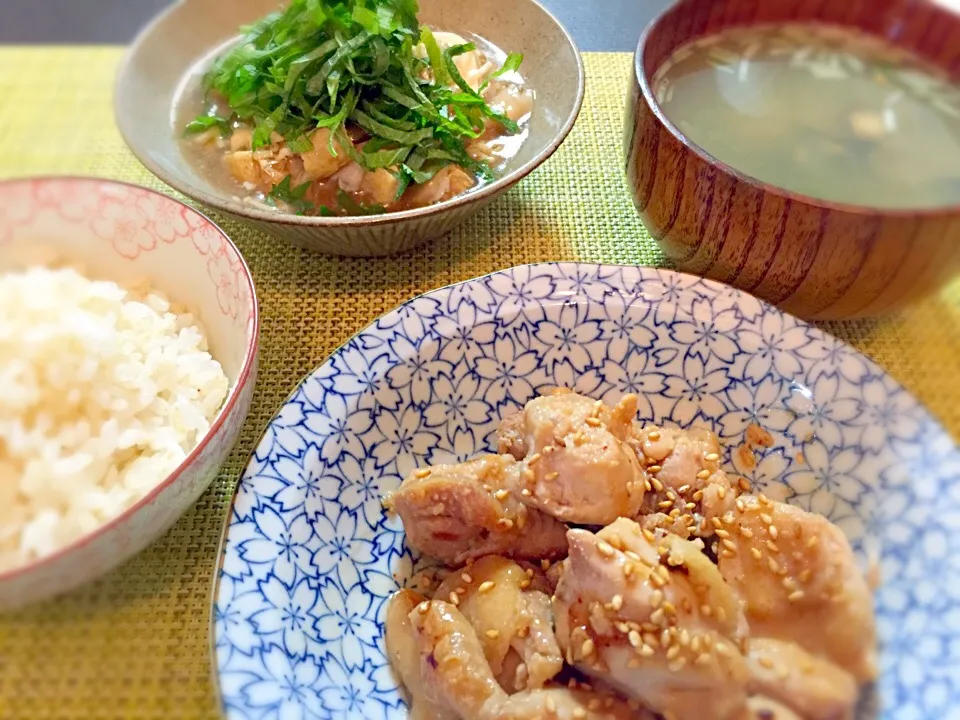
(310, 557)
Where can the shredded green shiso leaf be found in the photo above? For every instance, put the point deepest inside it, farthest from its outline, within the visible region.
(325, 64)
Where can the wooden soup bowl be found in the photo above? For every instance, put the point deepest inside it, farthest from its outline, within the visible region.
(814, 258)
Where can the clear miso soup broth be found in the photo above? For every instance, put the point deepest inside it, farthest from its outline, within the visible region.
(820, 110)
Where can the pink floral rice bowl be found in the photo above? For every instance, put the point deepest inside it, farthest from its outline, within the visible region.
(128, 234)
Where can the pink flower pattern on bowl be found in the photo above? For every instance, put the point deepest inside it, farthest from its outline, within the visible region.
(126, 233)
(126, 227)
(170, 220)
(74, 202)
(225, 276)
(14, 213)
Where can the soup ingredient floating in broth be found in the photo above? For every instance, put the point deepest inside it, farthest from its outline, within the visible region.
(819, 110)
(351, 108)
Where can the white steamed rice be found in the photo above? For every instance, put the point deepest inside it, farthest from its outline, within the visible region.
(103, 392)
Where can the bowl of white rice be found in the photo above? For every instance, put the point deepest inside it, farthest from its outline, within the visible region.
(128, 348)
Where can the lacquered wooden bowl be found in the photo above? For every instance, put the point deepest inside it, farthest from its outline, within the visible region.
(813, 258)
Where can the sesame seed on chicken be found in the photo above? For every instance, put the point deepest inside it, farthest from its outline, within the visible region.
(654, 618)
(577, 465)
(672, 593)
(797, 578)
(811, 686)
(404, 654)
(456, 512)
(508, 614)
(454, 667)
(689, 486)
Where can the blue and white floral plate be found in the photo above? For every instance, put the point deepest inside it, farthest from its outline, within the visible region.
(309, 558)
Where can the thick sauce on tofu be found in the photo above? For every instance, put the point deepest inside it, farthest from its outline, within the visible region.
(324, 178)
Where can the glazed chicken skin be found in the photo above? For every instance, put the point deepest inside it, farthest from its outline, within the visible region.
(564, 703)
(690, 488)
(458, 512)
(763, 708)
(797, 578)
(455, 675)
(772, 621)
(577, 466)
(404, 654)
(453, 669)
(814, 688)
(508, 614)
(652, 616)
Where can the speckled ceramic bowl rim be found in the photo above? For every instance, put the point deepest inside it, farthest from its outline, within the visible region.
(243, 377)
(246, 211)
(641, 77)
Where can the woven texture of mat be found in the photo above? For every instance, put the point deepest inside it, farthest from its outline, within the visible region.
(136, 644)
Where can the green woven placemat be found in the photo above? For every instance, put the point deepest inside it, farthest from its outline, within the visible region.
(136, 644)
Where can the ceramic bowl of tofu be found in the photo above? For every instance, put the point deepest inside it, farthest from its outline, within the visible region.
(408, 439)
(162, 67)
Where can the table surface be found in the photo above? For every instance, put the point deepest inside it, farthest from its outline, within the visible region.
(136, 644)
(607, 25)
